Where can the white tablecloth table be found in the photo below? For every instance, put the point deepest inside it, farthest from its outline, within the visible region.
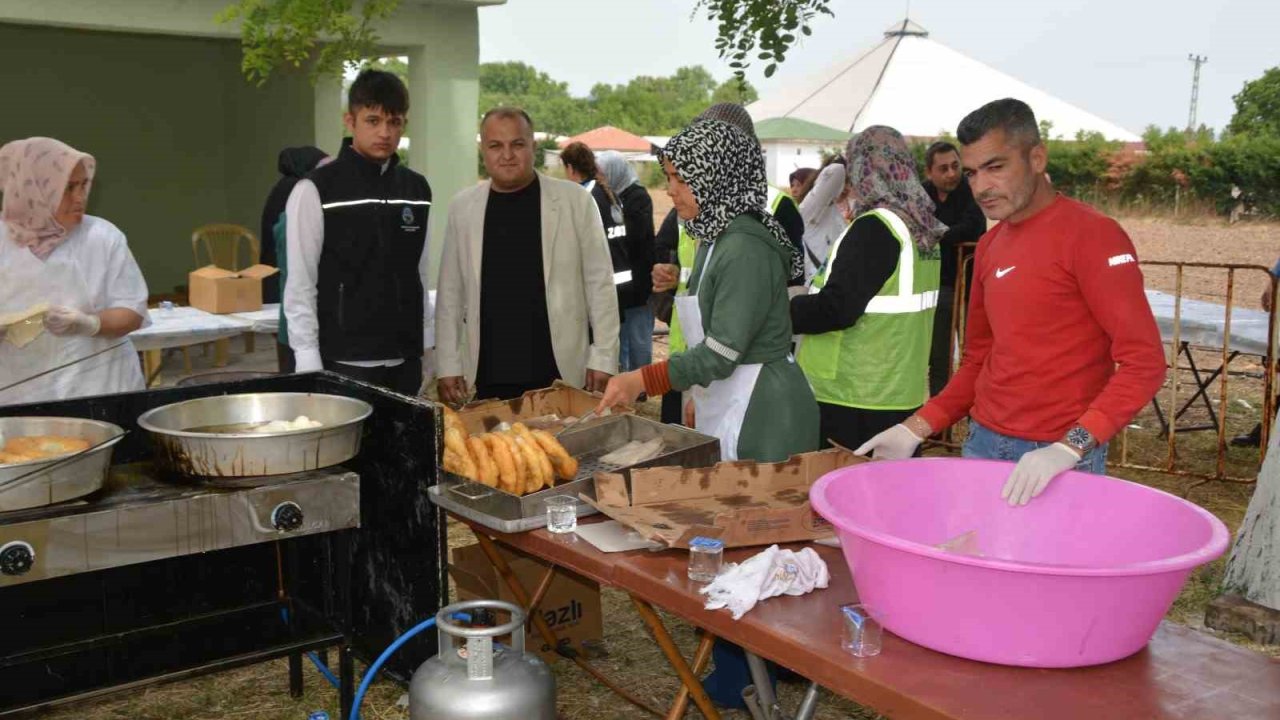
(266, 320)
(1201, 325)
(184, 326)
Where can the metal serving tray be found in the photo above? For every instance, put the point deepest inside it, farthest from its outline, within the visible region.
(504, 512)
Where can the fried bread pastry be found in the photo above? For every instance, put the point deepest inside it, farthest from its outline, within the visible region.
(45, 446)
(487, 472)
(544, 461)
(509, 478)
(519, 460)
(533, 457)
(565, 464)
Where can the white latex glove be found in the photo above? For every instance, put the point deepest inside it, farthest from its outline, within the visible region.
(62, 320)
(307, 361)
(896, 443)
(1034, 471)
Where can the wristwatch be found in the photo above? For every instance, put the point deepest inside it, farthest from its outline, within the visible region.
(1080, 440)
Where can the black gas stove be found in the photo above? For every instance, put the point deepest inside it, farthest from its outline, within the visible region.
(156, 577)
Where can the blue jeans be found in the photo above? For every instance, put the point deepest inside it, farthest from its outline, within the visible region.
(988, 444)
(636, 338)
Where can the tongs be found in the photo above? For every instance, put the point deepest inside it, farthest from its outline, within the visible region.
(61, 367)
(579, 423)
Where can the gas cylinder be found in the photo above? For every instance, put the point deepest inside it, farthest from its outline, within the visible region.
(479, 680)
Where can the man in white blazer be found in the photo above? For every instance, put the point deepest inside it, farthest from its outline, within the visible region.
(526, 291)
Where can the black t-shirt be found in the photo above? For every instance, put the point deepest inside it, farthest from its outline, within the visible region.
(515, 332)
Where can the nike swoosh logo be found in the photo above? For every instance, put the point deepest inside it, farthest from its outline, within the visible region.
(1001, 272)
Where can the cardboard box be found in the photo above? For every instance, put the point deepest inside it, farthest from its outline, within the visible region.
(571, 606)
(742, 503)
(220, 291)
(560, 399)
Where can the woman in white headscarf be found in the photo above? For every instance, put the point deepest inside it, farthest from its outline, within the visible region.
(70, 290)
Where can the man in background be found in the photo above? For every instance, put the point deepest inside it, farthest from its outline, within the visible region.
(965, 223)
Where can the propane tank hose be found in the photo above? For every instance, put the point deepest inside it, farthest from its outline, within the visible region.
(324, 670)
(395, 645)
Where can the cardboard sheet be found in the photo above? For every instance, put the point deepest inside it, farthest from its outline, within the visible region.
(560, 399)
(741, 503)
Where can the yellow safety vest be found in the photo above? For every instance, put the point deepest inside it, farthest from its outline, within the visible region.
(882, 361)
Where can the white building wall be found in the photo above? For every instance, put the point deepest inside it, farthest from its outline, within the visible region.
(783, 157)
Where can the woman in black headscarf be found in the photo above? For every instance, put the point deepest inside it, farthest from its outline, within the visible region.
(746, 390)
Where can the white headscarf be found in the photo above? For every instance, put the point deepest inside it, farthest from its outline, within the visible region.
(617, 172)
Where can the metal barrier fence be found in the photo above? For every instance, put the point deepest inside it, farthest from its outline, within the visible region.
(1142, 453)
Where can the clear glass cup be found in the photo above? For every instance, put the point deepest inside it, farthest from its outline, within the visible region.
(706, 555)
(562, 514)
(862, 630)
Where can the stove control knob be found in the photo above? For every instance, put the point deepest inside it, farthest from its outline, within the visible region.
(287, 517)
(16, 558)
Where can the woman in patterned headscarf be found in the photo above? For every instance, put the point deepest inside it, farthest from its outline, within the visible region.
(868, 317)
(70, 271)
(746, 390)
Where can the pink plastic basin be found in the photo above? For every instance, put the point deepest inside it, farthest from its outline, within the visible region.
(1080, 576)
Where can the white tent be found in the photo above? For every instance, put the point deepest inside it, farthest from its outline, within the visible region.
(920, 87)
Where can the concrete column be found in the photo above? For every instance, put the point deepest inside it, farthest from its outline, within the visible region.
(444, 94)
(329, 106)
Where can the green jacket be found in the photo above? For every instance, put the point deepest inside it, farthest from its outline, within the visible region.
(743, 300)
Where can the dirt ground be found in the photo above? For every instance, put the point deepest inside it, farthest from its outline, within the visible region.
(260, 692)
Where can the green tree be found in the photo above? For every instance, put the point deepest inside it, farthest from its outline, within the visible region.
(735, 90)
(1078, 167)
(547, 101)
(662, 105)
(392, 65)
(279, 33)
(743, 26)
(1258, 106)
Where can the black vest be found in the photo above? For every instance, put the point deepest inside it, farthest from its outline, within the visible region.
(370, 301)
(616, 233)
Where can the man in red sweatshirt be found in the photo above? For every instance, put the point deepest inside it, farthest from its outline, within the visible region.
(1061, 349)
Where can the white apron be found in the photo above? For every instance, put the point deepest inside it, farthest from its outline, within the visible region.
(720, 407)
(25, 280)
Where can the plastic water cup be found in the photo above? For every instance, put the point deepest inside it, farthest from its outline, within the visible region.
(862, 631)
(562, 514)
(166, 305)
(706, 555)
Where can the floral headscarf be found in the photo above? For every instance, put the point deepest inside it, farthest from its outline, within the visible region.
(882, 172)
(725, 170)
(33, 176)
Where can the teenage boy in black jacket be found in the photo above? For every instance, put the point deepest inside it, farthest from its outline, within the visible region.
(356, 296)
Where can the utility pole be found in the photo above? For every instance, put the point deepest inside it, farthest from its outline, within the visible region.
(1195, 91)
